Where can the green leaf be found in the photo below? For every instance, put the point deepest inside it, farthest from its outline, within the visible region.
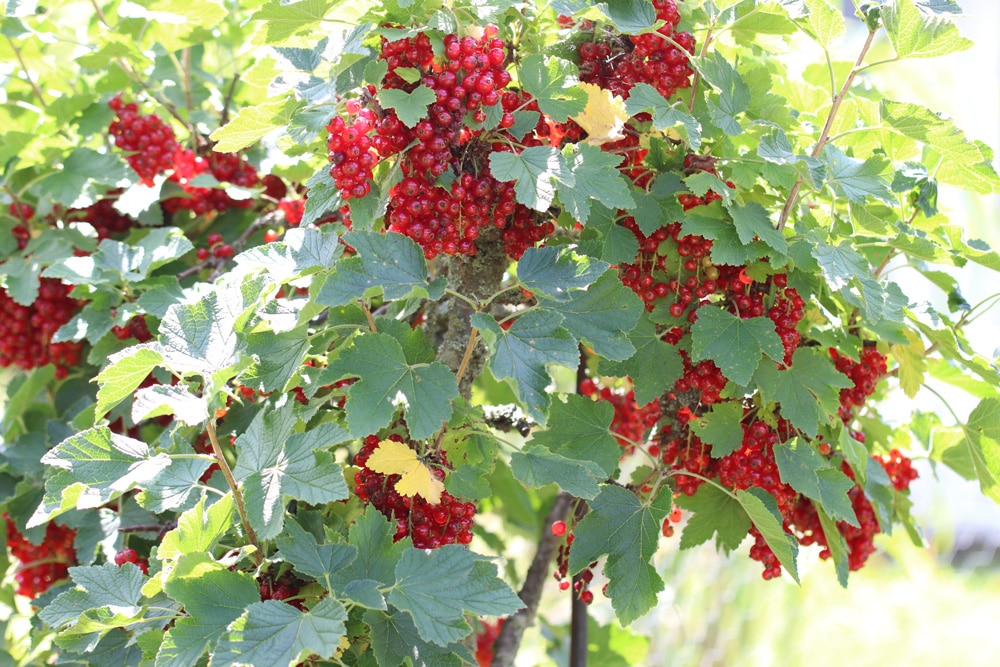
(213, 597)
(275, 462)
(380, 365)
(613, 646)
(552, 81)
(644, 98)
(580, 429)
(117, 588)
(533, 171)
(523, 352)
(752, 220)
(840, 263)
(171, 488)
(21, 277)
(808, 390)
(762, 509)
(319, 561)
(601, 316)
(537, 466)
(775, 147)
(165, 399)
(735, 345)
(123, 375)
(391, 264)
(141, 201)
(824, 23)
(280, 356)
(411, 107)
(301, 249)
(914, 34)
(274, 633)
(101, 465)
(838, 546)
(702, 182)
(372, 534)
(283, 19)
(115, 263)
(655, 366)
(720, 427)
(606, 240)
(940, 6)
(734, 94)
(983, 442)
(713, 511)
(595, 175)
(620, 526)
(438, 610)
(395, 641)
(556, 271)
(200, 337)
(73, 185)
(252, 123)
(629, 17)
(660, 205)
(807, 471)
(323, 196)
(198, 529)
(936, 131)
(856, 179)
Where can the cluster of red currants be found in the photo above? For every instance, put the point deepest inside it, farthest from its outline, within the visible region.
(129, 555)
(136, 328)
(581, 587)
(26, 331)
(443, 218)
(631, 423)
(284, 588)
(429, 525)
(216, 248)
(153, 150)
(104, 217)
(485, 639)
(618, 62)
(41, 564)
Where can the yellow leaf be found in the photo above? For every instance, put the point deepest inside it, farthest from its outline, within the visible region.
(912, 363)
(395, 458)
(604, 116)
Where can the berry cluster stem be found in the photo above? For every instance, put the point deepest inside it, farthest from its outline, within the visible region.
(227, 472)
(824, 136)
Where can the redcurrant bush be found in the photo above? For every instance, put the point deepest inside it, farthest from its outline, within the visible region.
(326, 327)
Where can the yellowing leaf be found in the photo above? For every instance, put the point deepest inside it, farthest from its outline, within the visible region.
(912, 363)
(395, 458)
(604, 116)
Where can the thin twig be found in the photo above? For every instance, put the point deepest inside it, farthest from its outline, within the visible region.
(27, 74)
(825, 134)
(473, 337)
(368, 316)
(186, 65)
(100, 13)
(224, 116)
(696, 79)
(227, 472)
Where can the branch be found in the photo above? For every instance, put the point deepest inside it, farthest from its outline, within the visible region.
(507, 644)
(824, 136)
(27, 74)
(227, 472)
